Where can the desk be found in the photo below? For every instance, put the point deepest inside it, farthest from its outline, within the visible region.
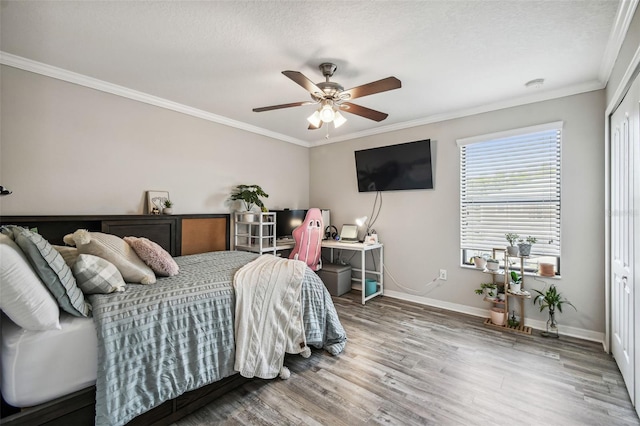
(362, 248)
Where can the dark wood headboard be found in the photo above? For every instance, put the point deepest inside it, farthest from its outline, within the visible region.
(178, 234)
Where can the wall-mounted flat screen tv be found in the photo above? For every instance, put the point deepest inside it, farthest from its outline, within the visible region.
(395, 167)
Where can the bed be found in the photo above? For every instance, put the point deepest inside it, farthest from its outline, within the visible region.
(182, 327)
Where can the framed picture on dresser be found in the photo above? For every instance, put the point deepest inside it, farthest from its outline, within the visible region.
(155, 200)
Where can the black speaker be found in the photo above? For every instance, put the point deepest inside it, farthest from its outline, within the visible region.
(331, 232)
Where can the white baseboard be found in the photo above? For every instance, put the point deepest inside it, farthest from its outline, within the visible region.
(580, 333)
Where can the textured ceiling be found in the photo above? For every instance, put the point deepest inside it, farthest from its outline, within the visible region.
(226, 57)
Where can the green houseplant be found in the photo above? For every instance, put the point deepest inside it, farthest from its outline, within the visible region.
(168, 207)
(525, 247)
(512, 238)
(551, 299)
(487, 289)
(250, 196)
(516, 282)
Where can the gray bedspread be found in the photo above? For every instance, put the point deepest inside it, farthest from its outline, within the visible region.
(158, 341)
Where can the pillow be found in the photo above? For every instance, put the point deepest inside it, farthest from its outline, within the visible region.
(158, 259)
(69, 254)
(96, 275)
(23, 297)
(115, 250)
(52, 270)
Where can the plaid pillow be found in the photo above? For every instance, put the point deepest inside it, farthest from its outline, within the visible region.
(95, 275)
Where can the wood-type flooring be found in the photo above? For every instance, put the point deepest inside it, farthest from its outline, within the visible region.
(409, 364)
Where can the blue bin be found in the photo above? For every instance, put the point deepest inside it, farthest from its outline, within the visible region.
(370, 286)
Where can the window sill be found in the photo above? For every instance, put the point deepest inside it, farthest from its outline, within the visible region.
(501, 272)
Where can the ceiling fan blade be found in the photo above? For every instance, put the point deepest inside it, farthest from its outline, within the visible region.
(389, 83)
(303, 81)
(365, 112)
(312, 127)
(272, 107)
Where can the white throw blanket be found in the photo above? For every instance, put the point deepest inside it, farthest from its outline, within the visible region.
(268, 319)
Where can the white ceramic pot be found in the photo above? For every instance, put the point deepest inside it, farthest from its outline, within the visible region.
(516, 287)
(248, 217)
(480, 262)
(497, 316)
(167, 210)
(493, 266)
(512, 250)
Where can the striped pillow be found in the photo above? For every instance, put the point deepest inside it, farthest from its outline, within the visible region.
(52, 270)
(96, 275)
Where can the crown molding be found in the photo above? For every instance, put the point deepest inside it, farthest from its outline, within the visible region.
(621, 24)
(523, 100)
(93, 83)
(114, 89)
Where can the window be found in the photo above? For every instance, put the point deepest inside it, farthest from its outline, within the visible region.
(510, 182)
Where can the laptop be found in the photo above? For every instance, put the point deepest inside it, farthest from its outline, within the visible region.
(349, 234)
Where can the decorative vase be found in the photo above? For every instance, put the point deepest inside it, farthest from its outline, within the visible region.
(525, 249)
(512, 250)
(552, 325)
(167, 210)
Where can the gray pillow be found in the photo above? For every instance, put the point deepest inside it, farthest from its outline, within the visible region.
(52, 270)
(96, 275)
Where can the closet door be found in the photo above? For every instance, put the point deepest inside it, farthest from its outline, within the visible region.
(624, 292)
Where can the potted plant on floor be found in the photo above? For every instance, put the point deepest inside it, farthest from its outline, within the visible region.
(551, 299)
(249, 195)
(512, 238)
(525, 247)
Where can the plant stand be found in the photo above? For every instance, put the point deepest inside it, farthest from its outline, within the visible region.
(518, 298)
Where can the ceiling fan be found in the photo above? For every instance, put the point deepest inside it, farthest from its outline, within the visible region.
(333, 98)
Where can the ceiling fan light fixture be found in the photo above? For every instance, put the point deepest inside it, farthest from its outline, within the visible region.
(327, 113)
(339, 120)
(314, 119)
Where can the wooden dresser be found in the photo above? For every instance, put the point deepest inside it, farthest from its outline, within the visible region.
(178, 234)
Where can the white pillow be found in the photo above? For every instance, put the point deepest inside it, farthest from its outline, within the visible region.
(115, 250)
(23, 297)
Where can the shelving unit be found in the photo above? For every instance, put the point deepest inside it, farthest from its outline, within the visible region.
(255, 232)
(508, 295)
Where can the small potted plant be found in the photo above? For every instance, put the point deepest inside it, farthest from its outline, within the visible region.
(489, 290)
(525, 247)
(249, 195)
(168, 207)
(479, 261)
(512, 238)
(551, 299)
(516, 282)
(493, 264)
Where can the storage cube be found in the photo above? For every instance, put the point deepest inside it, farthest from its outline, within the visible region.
(337, 278)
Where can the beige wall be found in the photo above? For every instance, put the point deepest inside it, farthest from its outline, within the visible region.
(421, 231)
(67, 149)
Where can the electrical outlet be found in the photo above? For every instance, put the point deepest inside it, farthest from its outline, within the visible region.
(443, 274)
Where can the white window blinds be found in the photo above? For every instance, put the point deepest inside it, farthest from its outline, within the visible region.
(510, 182)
